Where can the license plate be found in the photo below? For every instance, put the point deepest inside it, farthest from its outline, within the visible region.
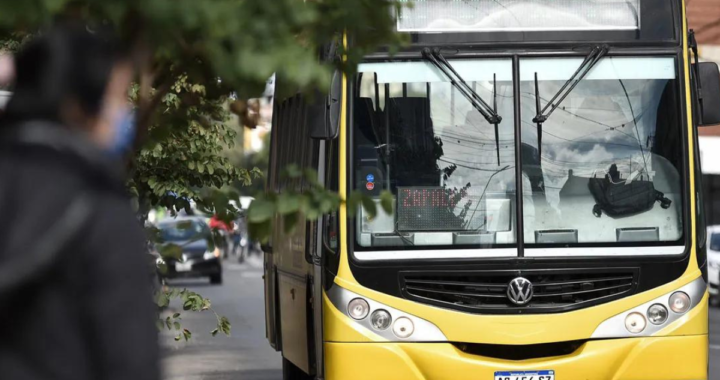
(183, 267)
(525, 375)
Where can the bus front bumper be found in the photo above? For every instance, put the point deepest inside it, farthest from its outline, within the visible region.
(652, 358)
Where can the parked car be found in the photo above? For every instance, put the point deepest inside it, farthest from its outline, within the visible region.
(200, 255)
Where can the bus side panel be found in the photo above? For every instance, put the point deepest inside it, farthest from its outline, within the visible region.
(292, 283)
(269, 271)
(293, 319)
(271, 321)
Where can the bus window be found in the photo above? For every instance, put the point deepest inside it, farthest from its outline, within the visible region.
(620, 126)
(435, 152)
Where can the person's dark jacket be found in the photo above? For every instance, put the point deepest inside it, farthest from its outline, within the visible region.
(75, 297)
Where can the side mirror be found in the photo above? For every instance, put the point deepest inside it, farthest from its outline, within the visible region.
(708, 83)
(324, 113)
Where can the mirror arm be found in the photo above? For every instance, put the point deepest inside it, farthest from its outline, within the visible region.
(696, 67)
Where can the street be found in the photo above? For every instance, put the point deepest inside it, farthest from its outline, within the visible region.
(714, 352)
(245, 355)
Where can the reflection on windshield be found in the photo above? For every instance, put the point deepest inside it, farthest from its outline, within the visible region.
(611, 154)
(417, 136)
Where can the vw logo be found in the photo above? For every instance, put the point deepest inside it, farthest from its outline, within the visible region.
(520, 291)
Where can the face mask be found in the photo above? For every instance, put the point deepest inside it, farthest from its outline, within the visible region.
(123, 133)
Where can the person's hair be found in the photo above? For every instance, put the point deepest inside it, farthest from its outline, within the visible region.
(67, 63)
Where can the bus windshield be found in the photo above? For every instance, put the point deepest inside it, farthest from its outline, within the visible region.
(607, 171)
(612, 146)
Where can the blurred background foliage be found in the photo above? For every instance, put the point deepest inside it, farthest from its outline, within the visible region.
(198, 64)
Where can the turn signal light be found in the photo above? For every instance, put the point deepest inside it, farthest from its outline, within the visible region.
(403, 327)
(635, 323)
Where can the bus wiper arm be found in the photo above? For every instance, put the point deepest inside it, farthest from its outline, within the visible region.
(489, 113)
(596, 54)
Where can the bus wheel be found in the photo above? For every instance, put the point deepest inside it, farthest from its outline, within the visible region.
(292, 372)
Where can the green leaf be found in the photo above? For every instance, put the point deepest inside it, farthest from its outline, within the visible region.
(224, 325)
(161, 299)
(293, 171)
(290, 222)
(187, 334)
(369, 206)
(176, 315)
(288, 203)
(312, 177)
(168, 323)
(170, 251)
(214, 332)
(353, 202)
(256, 173)
(176, 325)
(260, 231)
(261, 211)
(386, 201)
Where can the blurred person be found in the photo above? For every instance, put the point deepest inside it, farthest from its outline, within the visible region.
(76, 302)
(7, 69)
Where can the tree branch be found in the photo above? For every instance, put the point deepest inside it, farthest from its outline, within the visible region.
(146, 107)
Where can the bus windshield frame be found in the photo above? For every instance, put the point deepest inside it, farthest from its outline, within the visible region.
(438, 247)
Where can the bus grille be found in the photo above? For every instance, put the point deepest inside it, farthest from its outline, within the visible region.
(487, 292)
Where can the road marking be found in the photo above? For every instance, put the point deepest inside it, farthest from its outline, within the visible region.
(715, 346)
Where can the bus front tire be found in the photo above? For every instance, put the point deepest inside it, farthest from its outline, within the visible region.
(292, 372)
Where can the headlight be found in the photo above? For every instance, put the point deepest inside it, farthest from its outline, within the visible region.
(380, 319)
(657, 314)
(660, 312)
(635, 323)
(384, 322)
(358, 308)
(680, 302)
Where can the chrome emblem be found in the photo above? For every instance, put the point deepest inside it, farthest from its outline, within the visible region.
(520, 291)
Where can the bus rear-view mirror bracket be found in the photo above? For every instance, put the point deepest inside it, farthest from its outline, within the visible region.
(324, 112)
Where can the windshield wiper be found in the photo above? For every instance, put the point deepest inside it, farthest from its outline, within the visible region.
(596, 54)
(489, 113)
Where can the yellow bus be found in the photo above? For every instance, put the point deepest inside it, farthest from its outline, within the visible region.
(547, 221)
